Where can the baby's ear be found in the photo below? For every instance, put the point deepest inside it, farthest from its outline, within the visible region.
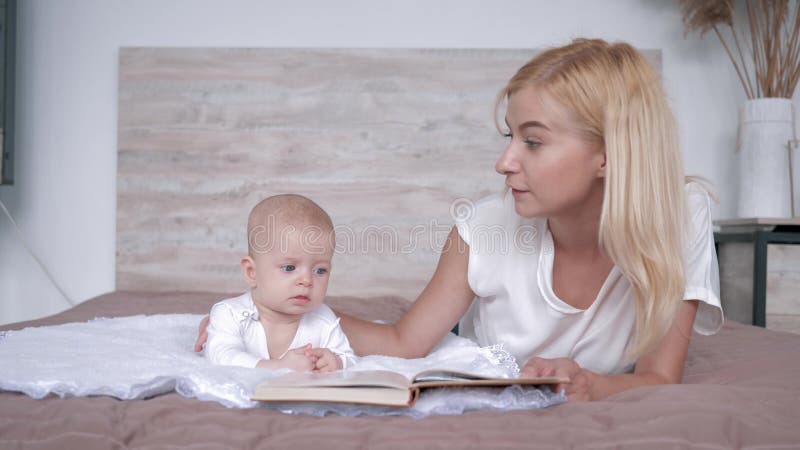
(249, 271)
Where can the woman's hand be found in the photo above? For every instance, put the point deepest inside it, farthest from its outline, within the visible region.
(579, 386)
(662, 365)
(202, 335)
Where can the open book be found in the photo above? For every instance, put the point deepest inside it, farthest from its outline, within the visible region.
(375, 387)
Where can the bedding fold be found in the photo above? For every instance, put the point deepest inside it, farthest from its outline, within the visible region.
(139, 357)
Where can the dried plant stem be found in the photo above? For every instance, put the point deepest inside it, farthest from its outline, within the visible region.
(776, 46)
(771, 52)
(748, 88)
(770, 47)
(746, 85)
(791, 64)
(755, 34)
(790, 60)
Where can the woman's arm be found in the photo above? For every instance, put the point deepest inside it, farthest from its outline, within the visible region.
(440, 305)
(663, 365)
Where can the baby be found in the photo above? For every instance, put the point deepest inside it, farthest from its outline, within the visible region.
(281, 322)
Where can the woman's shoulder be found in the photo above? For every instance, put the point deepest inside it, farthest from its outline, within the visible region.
(698, 197)
(494, 209)
(698, 188)
(467, 210)
(493, 219)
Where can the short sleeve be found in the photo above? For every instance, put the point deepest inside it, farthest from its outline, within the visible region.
(700, 258)
(475, 220)
(487, 226)
(225, 345)
(463, 228)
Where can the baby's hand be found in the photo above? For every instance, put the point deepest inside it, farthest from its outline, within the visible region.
(299, 359)
(326, 360)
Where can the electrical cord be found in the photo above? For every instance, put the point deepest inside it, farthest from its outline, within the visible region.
(33, 255)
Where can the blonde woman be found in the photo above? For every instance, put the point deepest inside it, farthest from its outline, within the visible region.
(609, 261)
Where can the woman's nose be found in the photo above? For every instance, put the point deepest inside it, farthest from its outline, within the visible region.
(507, 162)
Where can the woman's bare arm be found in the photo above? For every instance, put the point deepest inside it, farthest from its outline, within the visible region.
(440, 305)
(663, 365)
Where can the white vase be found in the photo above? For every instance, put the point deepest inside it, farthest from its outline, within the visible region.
(766, 127)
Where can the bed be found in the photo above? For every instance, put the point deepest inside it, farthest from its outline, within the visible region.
(741, 390)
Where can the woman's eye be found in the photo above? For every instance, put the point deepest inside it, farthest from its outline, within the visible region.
(532, 144)
(288, 268)
(321, 271)
(508, 135)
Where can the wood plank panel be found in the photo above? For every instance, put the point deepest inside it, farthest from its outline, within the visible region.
(384, 139)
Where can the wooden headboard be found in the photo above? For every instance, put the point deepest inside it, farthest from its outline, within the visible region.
(386, 140)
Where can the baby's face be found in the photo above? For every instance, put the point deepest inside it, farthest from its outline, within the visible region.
(292, 276)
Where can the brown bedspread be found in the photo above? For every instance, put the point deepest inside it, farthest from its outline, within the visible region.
(741, 390)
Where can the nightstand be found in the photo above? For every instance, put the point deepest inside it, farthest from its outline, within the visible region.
(759, 265)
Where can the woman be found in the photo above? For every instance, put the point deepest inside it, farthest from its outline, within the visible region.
(621, 259)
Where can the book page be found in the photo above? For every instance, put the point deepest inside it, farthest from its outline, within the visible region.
(446, 375)
(345, 378)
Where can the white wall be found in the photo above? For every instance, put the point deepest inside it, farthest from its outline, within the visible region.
(64, 196)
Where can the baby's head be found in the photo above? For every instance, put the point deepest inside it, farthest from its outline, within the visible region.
(290, 242)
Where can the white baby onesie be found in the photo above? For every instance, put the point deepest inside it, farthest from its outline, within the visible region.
(236, 337)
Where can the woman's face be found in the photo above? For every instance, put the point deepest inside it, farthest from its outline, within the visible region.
(551, 169)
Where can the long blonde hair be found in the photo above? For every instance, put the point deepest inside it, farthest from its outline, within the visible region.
(617, 99)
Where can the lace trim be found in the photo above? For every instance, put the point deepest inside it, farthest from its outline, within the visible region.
(501, 357)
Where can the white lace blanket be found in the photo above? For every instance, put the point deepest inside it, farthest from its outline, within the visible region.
(143, 356)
